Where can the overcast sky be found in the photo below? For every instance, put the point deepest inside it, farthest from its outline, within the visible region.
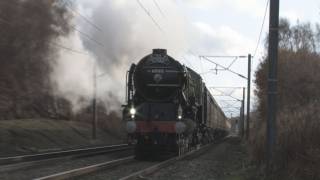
(189, 28)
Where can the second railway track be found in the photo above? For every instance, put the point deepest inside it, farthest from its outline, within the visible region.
(24, 161)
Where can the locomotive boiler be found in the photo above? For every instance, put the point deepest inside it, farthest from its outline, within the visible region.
(169, 110)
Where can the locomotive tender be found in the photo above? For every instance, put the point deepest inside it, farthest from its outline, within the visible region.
(169, 109)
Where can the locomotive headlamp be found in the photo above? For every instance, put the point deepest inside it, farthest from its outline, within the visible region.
(179, 117)
(132, 111)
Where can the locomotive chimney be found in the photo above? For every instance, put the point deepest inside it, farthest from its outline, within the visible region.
(159, 51)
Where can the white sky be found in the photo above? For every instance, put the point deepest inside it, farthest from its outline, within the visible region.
(219, 27)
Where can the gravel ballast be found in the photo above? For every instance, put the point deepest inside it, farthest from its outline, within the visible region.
(225, 161)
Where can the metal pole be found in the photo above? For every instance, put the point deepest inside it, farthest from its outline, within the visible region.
(248, 97)
(272, 81)
(242, 111)
(241, 124)
(94, 103)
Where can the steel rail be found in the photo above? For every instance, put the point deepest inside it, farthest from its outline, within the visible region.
(86, 170)
(48, 155)
(18, 162)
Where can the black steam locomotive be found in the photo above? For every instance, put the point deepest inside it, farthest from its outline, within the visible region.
(169, 110)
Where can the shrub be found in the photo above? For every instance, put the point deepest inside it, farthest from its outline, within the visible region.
(298, 104)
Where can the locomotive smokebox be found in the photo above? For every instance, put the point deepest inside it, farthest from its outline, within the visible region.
(159, 51)
(158, 77)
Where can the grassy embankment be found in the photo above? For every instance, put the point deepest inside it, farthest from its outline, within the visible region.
(41, 135)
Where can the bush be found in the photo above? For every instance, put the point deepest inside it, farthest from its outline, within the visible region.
(297, 143)
(298, 104)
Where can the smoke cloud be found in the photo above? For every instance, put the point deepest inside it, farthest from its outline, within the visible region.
(73, 73)
(124, 34)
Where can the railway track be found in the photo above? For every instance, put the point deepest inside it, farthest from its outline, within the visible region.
(88, 169)
(19, 162)
(120, 168)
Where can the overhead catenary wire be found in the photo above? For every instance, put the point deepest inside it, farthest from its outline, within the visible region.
(221, 93)
(231, 107)
(69, 49)
(261, 29)
(234, 102)
(159, 9)
(150, 16)
(67, 3)
(59, 45)
(87, 36)
(233, 89)
(227, 87)
(72, 26)
(234, 60)
(225, 68)
(54, 43)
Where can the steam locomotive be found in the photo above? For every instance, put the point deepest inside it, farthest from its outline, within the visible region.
(169, 109)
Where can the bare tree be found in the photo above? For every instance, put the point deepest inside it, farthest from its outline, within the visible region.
(27, 28)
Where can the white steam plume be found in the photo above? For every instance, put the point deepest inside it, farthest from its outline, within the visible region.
(127, 35)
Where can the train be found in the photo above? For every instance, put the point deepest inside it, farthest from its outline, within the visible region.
(169, 110)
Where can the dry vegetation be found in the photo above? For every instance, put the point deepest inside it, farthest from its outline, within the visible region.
(28, 29)
(298, 125)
